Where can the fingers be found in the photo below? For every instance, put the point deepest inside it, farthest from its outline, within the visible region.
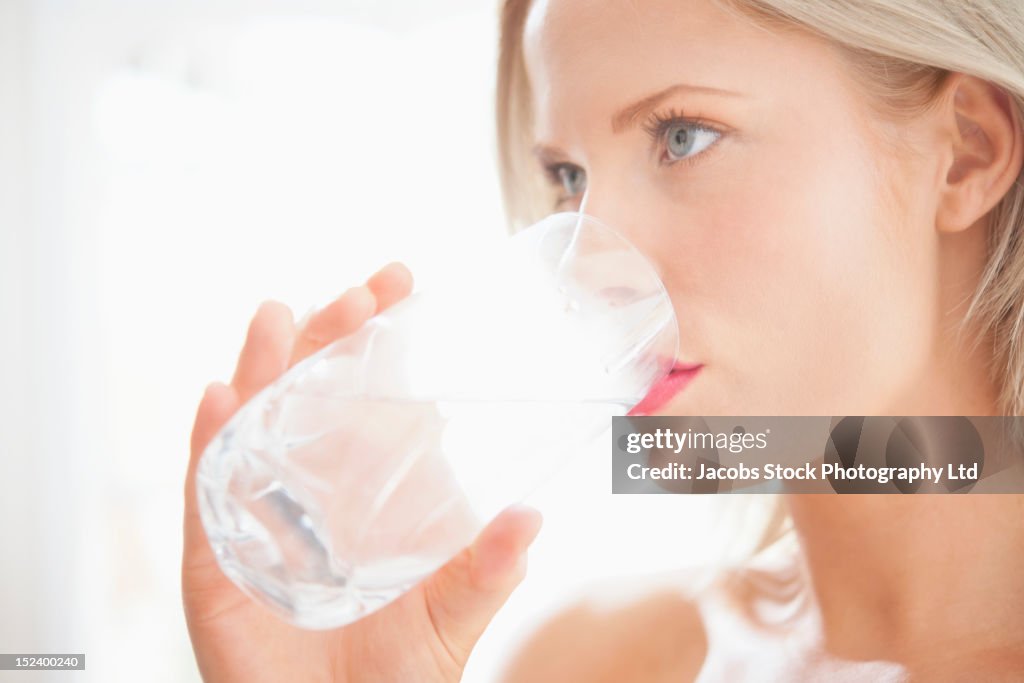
(352, 309)
(390, 284)
(218, 404)
(205, 589)
(265, 354)
(341, 317)
(464, 595)
(273, 344)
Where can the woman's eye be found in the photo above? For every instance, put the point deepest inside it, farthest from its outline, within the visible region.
(571, 178)
(685, 139)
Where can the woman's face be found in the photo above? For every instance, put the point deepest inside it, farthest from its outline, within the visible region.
(753, 173)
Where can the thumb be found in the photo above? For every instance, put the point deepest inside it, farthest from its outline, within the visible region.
(463, 596)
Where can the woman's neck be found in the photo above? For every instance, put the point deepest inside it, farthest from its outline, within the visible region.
(901, 577)
(905, 577)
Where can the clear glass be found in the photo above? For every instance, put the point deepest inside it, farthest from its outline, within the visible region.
(368, 465)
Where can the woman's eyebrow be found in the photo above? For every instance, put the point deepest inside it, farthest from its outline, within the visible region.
(548, 154)
(627, 117)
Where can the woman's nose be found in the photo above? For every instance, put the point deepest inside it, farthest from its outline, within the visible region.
(627, 220)
(620, 295)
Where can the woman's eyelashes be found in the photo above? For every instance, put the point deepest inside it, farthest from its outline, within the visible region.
(676, 138)
(680, 137)
(569, 178)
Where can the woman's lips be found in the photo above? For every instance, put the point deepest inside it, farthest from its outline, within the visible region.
(667, 387)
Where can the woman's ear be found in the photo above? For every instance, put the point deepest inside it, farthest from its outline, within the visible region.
(982, 128)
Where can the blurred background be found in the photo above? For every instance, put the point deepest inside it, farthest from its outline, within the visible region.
(165, 167)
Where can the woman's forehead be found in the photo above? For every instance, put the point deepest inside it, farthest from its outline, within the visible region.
(564, 36)
(601, 55)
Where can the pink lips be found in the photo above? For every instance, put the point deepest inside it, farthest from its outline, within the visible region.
(667, 387)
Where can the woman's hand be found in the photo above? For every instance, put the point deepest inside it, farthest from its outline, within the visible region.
(424, 635)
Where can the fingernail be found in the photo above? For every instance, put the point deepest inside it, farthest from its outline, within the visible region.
(521, 562)
(534, 515)
(357, 291)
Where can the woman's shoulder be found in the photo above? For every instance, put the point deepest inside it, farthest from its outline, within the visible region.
(650, 634)
(658, 628)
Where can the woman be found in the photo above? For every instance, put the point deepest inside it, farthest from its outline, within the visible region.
(831, 192)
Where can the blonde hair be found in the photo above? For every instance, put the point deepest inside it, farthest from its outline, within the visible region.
(904, 50)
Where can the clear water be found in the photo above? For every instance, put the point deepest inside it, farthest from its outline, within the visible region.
(325, 509)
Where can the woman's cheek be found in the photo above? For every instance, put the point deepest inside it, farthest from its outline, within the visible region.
(773, 270)
(788, 315)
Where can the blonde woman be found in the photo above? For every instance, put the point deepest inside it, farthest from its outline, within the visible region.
(831, 191)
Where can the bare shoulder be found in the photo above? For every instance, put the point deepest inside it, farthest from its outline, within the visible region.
(656, 637)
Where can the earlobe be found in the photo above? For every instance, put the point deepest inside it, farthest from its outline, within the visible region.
(984, 132)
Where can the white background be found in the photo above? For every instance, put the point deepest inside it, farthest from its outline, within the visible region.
(165, 167)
